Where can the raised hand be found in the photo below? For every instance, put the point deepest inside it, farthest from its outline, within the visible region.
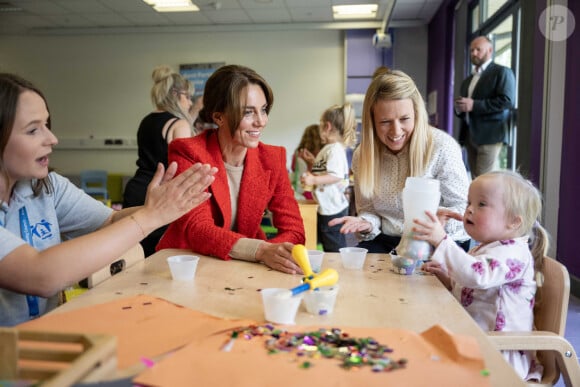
(169, 196)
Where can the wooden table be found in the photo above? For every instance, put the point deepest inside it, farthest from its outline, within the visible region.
(373, 297)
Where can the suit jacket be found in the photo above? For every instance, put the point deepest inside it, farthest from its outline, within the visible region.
(493, 98)
(264, 184)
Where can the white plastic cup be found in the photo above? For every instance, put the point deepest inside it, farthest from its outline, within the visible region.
(315, 257)
(320, 302)
(353, 257)
(280, 306)
(183, 267)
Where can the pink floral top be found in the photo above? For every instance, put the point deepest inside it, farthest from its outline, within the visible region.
(495, 284)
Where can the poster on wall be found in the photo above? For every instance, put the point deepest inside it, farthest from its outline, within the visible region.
(198, 73)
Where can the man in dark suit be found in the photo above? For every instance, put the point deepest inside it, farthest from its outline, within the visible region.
(487, 97)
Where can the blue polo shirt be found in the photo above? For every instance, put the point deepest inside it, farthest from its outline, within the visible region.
(64, 213)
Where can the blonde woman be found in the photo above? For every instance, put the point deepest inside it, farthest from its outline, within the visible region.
(171, 95)
(397, 142)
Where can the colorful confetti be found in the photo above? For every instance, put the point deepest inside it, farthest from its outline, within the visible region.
(353, 353)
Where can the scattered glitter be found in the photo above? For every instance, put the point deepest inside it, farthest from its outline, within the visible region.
(147, 362)
(230, 343)
(353, 353)
(306, 365)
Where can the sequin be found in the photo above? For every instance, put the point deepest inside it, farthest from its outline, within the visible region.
(352, 353)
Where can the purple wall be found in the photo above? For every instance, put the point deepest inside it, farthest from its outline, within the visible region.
(570, 174)
(359, 45)
(440, 63)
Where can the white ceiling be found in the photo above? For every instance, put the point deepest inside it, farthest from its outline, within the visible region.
(116, 16)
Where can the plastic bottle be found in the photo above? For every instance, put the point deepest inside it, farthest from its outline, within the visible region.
(419, 195)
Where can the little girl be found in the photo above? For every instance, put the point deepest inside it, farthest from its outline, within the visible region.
(330, 173)
(303, 158)
(495, 281)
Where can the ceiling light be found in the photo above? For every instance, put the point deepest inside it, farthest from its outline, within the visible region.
(172, 5)
(360, 11)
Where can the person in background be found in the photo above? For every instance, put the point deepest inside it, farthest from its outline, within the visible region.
(303, 158)
(495, 281)
(484, 107)
(397, 142)
(330, 173)
(171, 95)
(251, 178)
(39, 209)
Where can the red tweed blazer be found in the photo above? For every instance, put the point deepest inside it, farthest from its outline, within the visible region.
(264, 184)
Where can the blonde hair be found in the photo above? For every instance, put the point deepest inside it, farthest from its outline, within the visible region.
(167, 85)
(342, 118)
(390, 86)
(522, 199)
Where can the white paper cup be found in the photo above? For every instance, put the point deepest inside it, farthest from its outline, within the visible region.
(353, 257)
(280, 306)
(315, 257)
(321, 301)
(183, 267)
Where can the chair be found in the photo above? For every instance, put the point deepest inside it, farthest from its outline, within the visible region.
(55, 359)
(132, 256)
(94, 183)
(554, 352)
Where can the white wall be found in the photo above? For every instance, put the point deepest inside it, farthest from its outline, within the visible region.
(99, 85)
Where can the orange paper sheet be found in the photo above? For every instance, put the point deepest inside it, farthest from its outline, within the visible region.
(151, 327)
(435, 358)
(145, 326)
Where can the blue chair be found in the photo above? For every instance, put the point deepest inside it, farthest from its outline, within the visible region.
(94, 183)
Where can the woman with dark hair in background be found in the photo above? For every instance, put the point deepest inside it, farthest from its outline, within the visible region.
(252, 177)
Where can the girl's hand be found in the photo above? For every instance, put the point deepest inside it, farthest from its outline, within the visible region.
(352, 224)
(429, 230)
(444, 214)
(169, 196)
(278, 256)
(307, 179)
(436, 269)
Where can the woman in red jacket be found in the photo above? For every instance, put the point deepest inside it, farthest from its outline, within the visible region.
(251, 178)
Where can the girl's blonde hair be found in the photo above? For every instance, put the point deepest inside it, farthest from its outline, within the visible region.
(522, 199)
(391, 85)
(167, 86)
(343, 119)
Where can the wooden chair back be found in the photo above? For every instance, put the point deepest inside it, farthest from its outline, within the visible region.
(551, 310)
